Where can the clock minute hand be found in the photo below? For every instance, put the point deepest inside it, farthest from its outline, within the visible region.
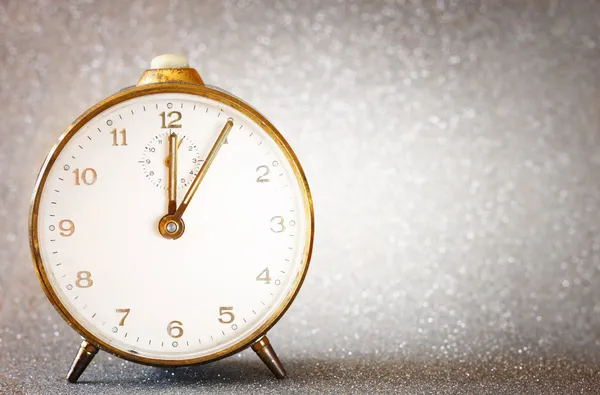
(204, 169)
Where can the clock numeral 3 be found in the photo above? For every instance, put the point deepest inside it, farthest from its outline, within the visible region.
(67, 226)
(88, 176)
(126, 311)
(265, 171)
(84, 279)
(277, 225)
(123, 133)
(264, 276)
(226, 314)
(174, 329)
(176, 115)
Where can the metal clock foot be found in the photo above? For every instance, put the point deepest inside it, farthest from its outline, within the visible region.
(86, 353)
(266, 353)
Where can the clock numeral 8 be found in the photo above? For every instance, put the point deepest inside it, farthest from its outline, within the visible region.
(88, 176)
(84, 279)
(227, 312)
(174, 329)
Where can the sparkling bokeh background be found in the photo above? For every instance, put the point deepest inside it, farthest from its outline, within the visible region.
(452, 148)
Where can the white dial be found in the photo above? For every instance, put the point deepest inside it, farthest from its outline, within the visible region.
(247, 228)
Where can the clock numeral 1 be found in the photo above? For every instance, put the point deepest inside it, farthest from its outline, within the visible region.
(126, 311)
(264, 276)
(176, 115)
(277, 224)
(67, 226)
(88, 176)
(123, 133)
(226, 312)
(84, 279)
(174, 329)
(265, 171)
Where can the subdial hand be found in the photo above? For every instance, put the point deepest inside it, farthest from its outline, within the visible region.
(172, 165)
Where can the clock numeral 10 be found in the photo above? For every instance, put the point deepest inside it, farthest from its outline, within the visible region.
(174, 329)
(123, 133)
(226, 314)
(126, 311)
(176, 115)
(84, 279)
(88, 176)
(264, 276)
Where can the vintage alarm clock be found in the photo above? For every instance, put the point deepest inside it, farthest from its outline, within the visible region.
(171, 224)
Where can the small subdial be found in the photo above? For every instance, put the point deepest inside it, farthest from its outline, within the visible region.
(155, 161)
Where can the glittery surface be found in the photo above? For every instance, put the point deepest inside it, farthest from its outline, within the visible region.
(452, 147)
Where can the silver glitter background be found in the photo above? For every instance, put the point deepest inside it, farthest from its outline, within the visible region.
(453, 150)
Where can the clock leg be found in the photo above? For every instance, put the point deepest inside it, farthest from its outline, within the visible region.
(266, 353)
(86, 353)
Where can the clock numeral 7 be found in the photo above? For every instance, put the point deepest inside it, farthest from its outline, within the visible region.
(126, 311)
(176, 115)
(226, 314)
(123, 133)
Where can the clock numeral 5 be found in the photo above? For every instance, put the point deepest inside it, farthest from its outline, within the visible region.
(123, 133)
(264, 276)
(126, 311)
(176, 115)
(174, 329)
(226, 312)
(84, 279)
(88, 176)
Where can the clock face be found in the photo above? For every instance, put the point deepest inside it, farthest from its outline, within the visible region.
(239, 262)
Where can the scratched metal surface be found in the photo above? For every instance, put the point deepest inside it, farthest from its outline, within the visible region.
(453, 149)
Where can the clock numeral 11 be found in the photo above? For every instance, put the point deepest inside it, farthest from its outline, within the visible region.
(123, 133)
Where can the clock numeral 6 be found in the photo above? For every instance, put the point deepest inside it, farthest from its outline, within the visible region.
(123, 133)
(265, 171)
(277, 225)
(176, 115)
(84, 279)
(67, 226)
(174, 329)
(88, 176)
(264, 276)
(226, 314)
(126, 311)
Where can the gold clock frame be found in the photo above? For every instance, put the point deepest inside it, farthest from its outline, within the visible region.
(187, 81)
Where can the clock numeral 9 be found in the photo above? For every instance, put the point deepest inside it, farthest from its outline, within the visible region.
(264, 276)
(126, 311)
(84, 279)
(123, 133)
(67, 226)
(88, 176)
(265, 171)
(277, 225)
(227, 312)
(176, 115)
(174, 329)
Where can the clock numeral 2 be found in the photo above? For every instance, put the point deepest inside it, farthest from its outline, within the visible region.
(174, 329)
(176, 115)
(265, 170)
(126, 311)
(84, 279)
(264, 276)
(226, 314)
(88, 176)
(123, 133)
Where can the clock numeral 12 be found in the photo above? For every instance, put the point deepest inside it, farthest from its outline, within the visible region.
(172, 123)
(123, 133)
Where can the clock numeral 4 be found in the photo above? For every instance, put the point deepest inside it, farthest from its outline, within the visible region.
(67, 227)
(174, 329)
(123, 133)
(265, 171)
(84, 279)
(121, 311)
(226, 314)
(176, 115)
(277, 225)
(264, 276)
(88, 176)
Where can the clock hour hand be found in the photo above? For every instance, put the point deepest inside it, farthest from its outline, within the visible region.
(204, 169)
(172, 165)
